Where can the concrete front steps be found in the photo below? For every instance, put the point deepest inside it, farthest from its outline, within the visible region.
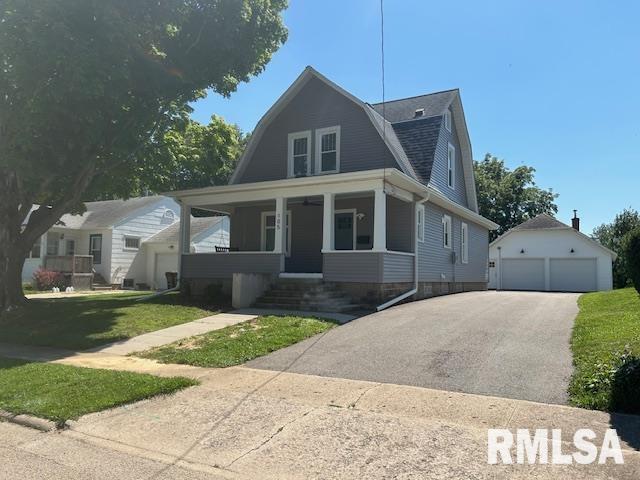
(306, 294)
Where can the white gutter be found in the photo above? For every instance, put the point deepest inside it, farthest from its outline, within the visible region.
(414, 290)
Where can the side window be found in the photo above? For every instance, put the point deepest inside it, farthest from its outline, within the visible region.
(328, 150)
(446, 231)
(420, 223)
(451, 166)
(464, 243)
(299, 154)
(268, 234)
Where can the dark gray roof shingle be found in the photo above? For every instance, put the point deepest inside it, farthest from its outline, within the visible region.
(405, 108)
(543, 221)
(418, 139)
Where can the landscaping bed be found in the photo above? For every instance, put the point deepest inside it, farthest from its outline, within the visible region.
(606, 347)
(61, 392)
(239, 343)
(78, 323)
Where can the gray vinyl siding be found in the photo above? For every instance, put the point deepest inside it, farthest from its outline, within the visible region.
(439, 170)
(224, 265)
(316, 106)
(399, 225)
(435, 263)
(367, 267)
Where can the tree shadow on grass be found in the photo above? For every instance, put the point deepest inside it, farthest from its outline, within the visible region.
(86, 322)
(625, 401)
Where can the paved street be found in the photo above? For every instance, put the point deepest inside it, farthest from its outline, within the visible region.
(511, 344)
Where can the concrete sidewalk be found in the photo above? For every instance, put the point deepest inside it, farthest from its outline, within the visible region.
(173, 334)
(246, 423)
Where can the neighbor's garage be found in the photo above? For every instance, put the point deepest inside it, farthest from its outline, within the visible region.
(544, 254)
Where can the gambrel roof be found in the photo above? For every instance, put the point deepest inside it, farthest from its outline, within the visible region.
(411, 141)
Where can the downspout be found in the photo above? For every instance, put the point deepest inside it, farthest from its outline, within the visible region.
(414, 290)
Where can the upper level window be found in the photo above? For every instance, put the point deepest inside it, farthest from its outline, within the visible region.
(420, 223)
(451, 166)
(446, 231)
(131, 243)
(299, 157)
(464, 243)
(447, 120)
(328, 150)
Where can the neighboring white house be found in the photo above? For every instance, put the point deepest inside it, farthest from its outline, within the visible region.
(115, 233)
(162, 249)
(545, 254)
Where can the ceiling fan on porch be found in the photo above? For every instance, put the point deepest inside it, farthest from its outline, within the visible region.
(307, 203)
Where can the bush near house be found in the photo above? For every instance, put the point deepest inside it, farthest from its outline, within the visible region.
(631, 247)
(606, 352)
(47, 279)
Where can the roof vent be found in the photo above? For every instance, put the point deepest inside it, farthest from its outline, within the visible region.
(418, 113)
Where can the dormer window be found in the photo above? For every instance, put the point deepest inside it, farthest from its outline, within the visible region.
(447, 120)
(328, 150)
(299, 158)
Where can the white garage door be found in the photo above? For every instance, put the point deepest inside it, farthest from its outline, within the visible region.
(573, 274)
(165, 262)
(523, 274)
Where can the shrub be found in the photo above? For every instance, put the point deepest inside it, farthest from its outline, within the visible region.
(631, 249)
(625, 387)
(47, 279)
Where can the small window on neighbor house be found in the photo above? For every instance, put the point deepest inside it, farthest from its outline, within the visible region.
(420, 223)
(168, 216)
(447, 120)
(446, 231)
(451, 166)
(131, 243)
(464, 243)
(299, 155)
(35, 250)
(328, 149)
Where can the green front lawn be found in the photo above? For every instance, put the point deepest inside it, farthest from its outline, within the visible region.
(61, 392)
(239, 343)
(79, 323)
(608, 322)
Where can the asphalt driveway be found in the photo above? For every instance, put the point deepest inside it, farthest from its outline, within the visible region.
(507, 344)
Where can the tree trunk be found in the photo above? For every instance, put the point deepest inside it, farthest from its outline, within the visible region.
(11, 263)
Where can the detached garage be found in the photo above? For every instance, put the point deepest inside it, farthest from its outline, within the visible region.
(544, 254)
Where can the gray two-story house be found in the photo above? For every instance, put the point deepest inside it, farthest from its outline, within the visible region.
(375, 201)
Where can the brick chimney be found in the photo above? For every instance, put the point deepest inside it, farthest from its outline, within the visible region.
(575, 221)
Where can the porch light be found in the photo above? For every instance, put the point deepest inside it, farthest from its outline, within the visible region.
(522, 251)
(360, 216)
(572, 251)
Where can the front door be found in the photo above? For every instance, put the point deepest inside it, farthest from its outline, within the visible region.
(95, 248)
(344, 230)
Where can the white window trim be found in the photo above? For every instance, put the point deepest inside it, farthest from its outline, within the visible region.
(420, 213)
(446, 225)
(354, 212)
(464, 242)
(447, 120)
(451, 166)
(131, 237)
(263, 225)
(294, 136)
(323, 131)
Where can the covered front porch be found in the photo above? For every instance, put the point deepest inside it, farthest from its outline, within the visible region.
(341, 228)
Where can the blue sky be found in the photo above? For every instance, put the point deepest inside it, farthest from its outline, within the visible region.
(550, 84)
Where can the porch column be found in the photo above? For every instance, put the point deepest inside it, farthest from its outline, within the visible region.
(380, 220)
(185, 228)
(328, 218)
(281, 222)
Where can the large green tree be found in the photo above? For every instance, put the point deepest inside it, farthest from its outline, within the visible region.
(612, 236)
(87, 84)
(510, 197)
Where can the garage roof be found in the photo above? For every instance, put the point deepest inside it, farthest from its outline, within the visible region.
(545, 221)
